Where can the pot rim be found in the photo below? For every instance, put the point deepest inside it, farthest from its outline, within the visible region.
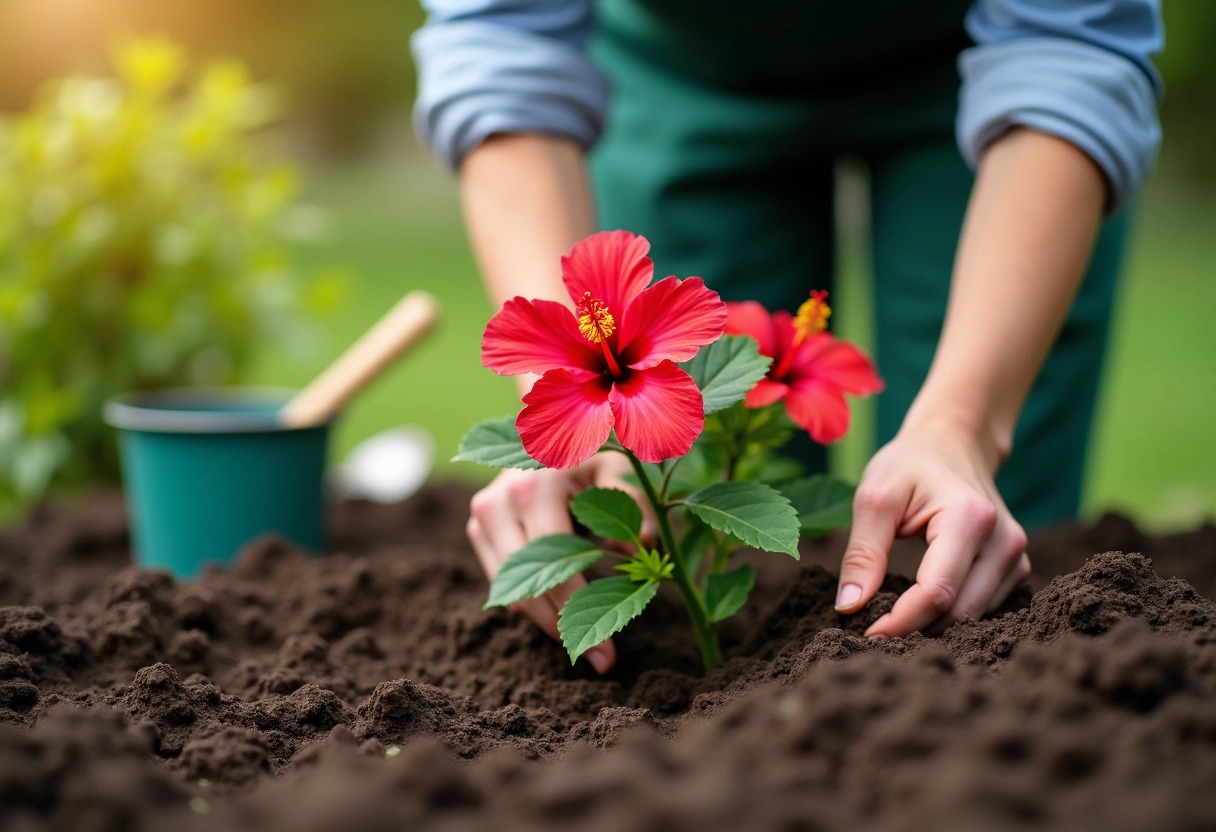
(203, 410)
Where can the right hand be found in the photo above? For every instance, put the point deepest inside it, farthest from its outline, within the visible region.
(521, 505)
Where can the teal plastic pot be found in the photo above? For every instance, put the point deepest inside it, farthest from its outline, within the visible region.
(208, 470)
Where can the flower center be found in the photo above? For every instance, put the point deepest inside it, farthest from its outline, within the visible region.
(596, 323)
(811, 319)
(812, 316)
(594, 320)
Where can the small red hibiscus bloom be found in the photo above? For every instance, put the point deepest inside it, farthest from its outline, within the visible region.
(612, 363)
(811, 370)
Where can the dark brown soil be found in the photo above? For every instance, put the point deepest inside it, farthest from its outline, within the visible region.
(367, 689)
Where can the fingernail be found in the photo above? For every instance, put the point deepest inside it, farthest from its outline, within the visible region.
(878, 638)
(599, 659)
(848, 596)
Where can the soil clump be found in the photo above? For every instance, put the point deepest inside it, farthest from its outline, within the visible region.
(367, 689)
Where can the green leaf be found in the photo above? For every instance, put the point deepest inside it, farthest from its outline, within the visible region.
(608, 512)
(752, 512)
(726, 370)
(726, 594)
(823, 503)
(495, 442)
(540, 565)
(601, 609)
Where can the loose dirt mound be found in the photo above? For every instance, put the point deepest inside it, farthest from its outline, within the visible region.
(368, 690)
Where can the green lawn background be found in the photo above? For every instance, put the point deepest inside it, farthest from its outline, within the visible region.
(397, 229)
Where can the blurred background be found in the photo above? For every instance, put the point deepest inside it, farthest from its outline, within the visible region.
(258, 199)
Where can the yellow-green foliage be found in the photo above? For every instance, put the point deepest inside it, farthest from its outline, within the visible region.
(142, 245)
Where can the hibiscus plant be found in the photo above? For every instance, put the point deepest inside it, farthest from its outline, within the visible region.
(700, 396)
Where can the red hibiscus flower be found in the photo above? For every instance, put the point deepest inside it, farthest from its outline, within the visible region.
(811, 370)
(610, 364)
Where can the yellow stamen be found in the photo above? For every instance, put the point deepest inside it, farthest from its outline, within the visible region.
(812, 316)
(596, 324)
(594, 320)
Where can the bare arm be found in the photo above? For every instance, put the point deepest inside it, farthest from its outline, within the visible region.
(1030, 226)
(526, 202)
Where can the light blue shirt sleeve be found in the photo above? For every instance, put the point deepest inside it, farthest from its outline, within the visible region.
(500, 66)
(1077, 69)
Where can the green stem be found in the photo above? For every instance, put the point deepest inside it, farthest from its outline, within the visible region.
(706, 632)
(667, 477)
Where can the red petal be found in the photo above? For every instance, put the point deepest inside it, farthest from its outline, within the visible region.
(835, 362)
(566, 419)
(765, 393)
(611, 265)
(670, 321)
(532, 336)
(818, 408)
(783, 336)
(659, 412)
(750, 318)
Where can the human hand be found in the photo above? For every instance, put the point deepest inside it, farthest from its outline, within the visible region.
(932, 480)
(521, 505)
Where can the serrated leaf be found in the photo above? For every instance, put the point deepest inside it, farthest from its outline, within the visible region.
(608, 512)
(495, 442)
(751, 511)
(726, 594)
(726, 370)
(601, 609)
(823, 503)
(540, 565)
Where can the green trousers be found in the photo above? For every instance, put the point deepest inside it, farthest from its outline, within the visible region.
(721, 145)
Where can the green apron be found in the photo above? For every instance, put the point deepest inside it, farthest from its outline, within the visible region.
(723, 132)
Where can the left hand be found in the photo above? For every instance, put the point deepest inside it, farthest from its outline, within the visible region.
(936, 481)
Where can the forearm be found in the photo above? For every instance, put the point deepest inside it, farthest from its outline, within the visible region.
(1030, 225)
(526, 202)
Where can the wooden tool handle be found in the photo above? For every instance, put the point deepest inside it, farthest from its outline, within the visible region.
(399, 329)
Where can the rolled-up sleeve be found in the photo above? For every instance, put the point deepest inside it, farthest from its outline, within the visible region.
(505, 66)
(1079, 70)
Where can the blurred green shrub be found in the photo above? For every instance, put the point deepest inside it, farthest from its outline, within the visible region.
(142, 245)
(345, 68)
